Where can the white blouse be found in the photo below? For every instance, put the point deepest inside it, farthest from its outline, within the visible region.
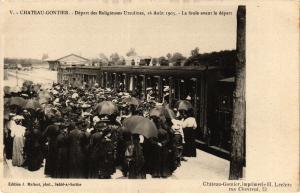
(190, 122)
(17, 130)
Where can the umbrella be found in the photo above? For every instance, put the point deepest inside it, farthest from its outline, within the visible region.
(19, 101)
(131, 101)
(140, 125)
(184, 105)
(32, 104)
(106, 108)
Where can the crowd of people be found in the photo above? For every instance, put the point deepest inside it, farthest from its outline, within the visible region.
(90, 132)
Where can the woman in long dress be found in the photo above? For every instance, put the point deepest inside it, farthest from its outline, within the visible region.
(35, 155)
(51, 133)
(135, 158)
(77, 161)
(18, 132)
(95, 151)
(8, 140)
(161, 163)
(189, 126)
(61, 167)
(107, 160)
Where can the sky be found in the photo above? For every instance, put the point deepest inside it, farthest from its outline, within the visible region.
(32, 36)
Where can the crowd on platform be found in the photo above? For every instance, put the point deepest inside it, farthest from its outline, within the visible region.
(89, 132)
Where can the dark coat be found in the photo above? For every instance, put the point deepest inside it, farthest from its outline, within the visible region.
(51, 133)
(95, 154)
(8, 141)
(61, 166)
(149, 153)
(77, 154)
(34, 150)
(108, 153)
(161, 163)
(136, 162)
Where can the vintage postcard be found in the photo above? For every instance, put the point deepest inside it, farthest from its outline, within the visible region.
(149, 96)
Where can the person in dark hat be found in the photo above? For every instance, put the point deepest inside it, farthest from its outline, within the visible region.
(116, 136)
(34, 154)
(123, 143)
(51, 134)
(95, 151)
(61, 163)
(28, 118)
(161, 163)
(135, 159)
(30, 122)
(77, 157)
(109, 147)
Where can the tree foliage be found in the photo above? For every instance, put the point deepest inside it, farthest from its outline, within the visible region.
(131, 52)
(177, 58)
(163, 61)
(169, 55)
(115, 59)
(154, 61)
(103, 59)
(22, 61)
(195, 52)
(225, 58)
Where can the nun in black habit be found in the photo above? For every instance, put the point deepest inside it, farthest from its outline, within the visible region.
(61, 164)
(78, 141)
(34, 148)
(95, 150)
(51, 133)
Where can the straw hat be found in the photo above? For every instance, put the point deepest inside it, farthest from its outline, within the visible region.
(18, 117)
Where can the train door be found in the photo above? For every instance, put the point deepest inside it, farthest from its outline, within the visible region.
(221, 123)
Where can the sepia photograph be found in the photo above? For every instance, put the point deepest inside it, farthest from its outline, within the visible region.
(125, 97)
(149, 96)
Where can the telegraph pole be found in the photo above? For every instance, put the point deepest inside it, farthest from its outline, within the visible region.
(239, 105)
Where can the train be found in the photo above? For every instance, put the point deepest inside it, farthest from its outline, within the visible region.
(208, 87)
